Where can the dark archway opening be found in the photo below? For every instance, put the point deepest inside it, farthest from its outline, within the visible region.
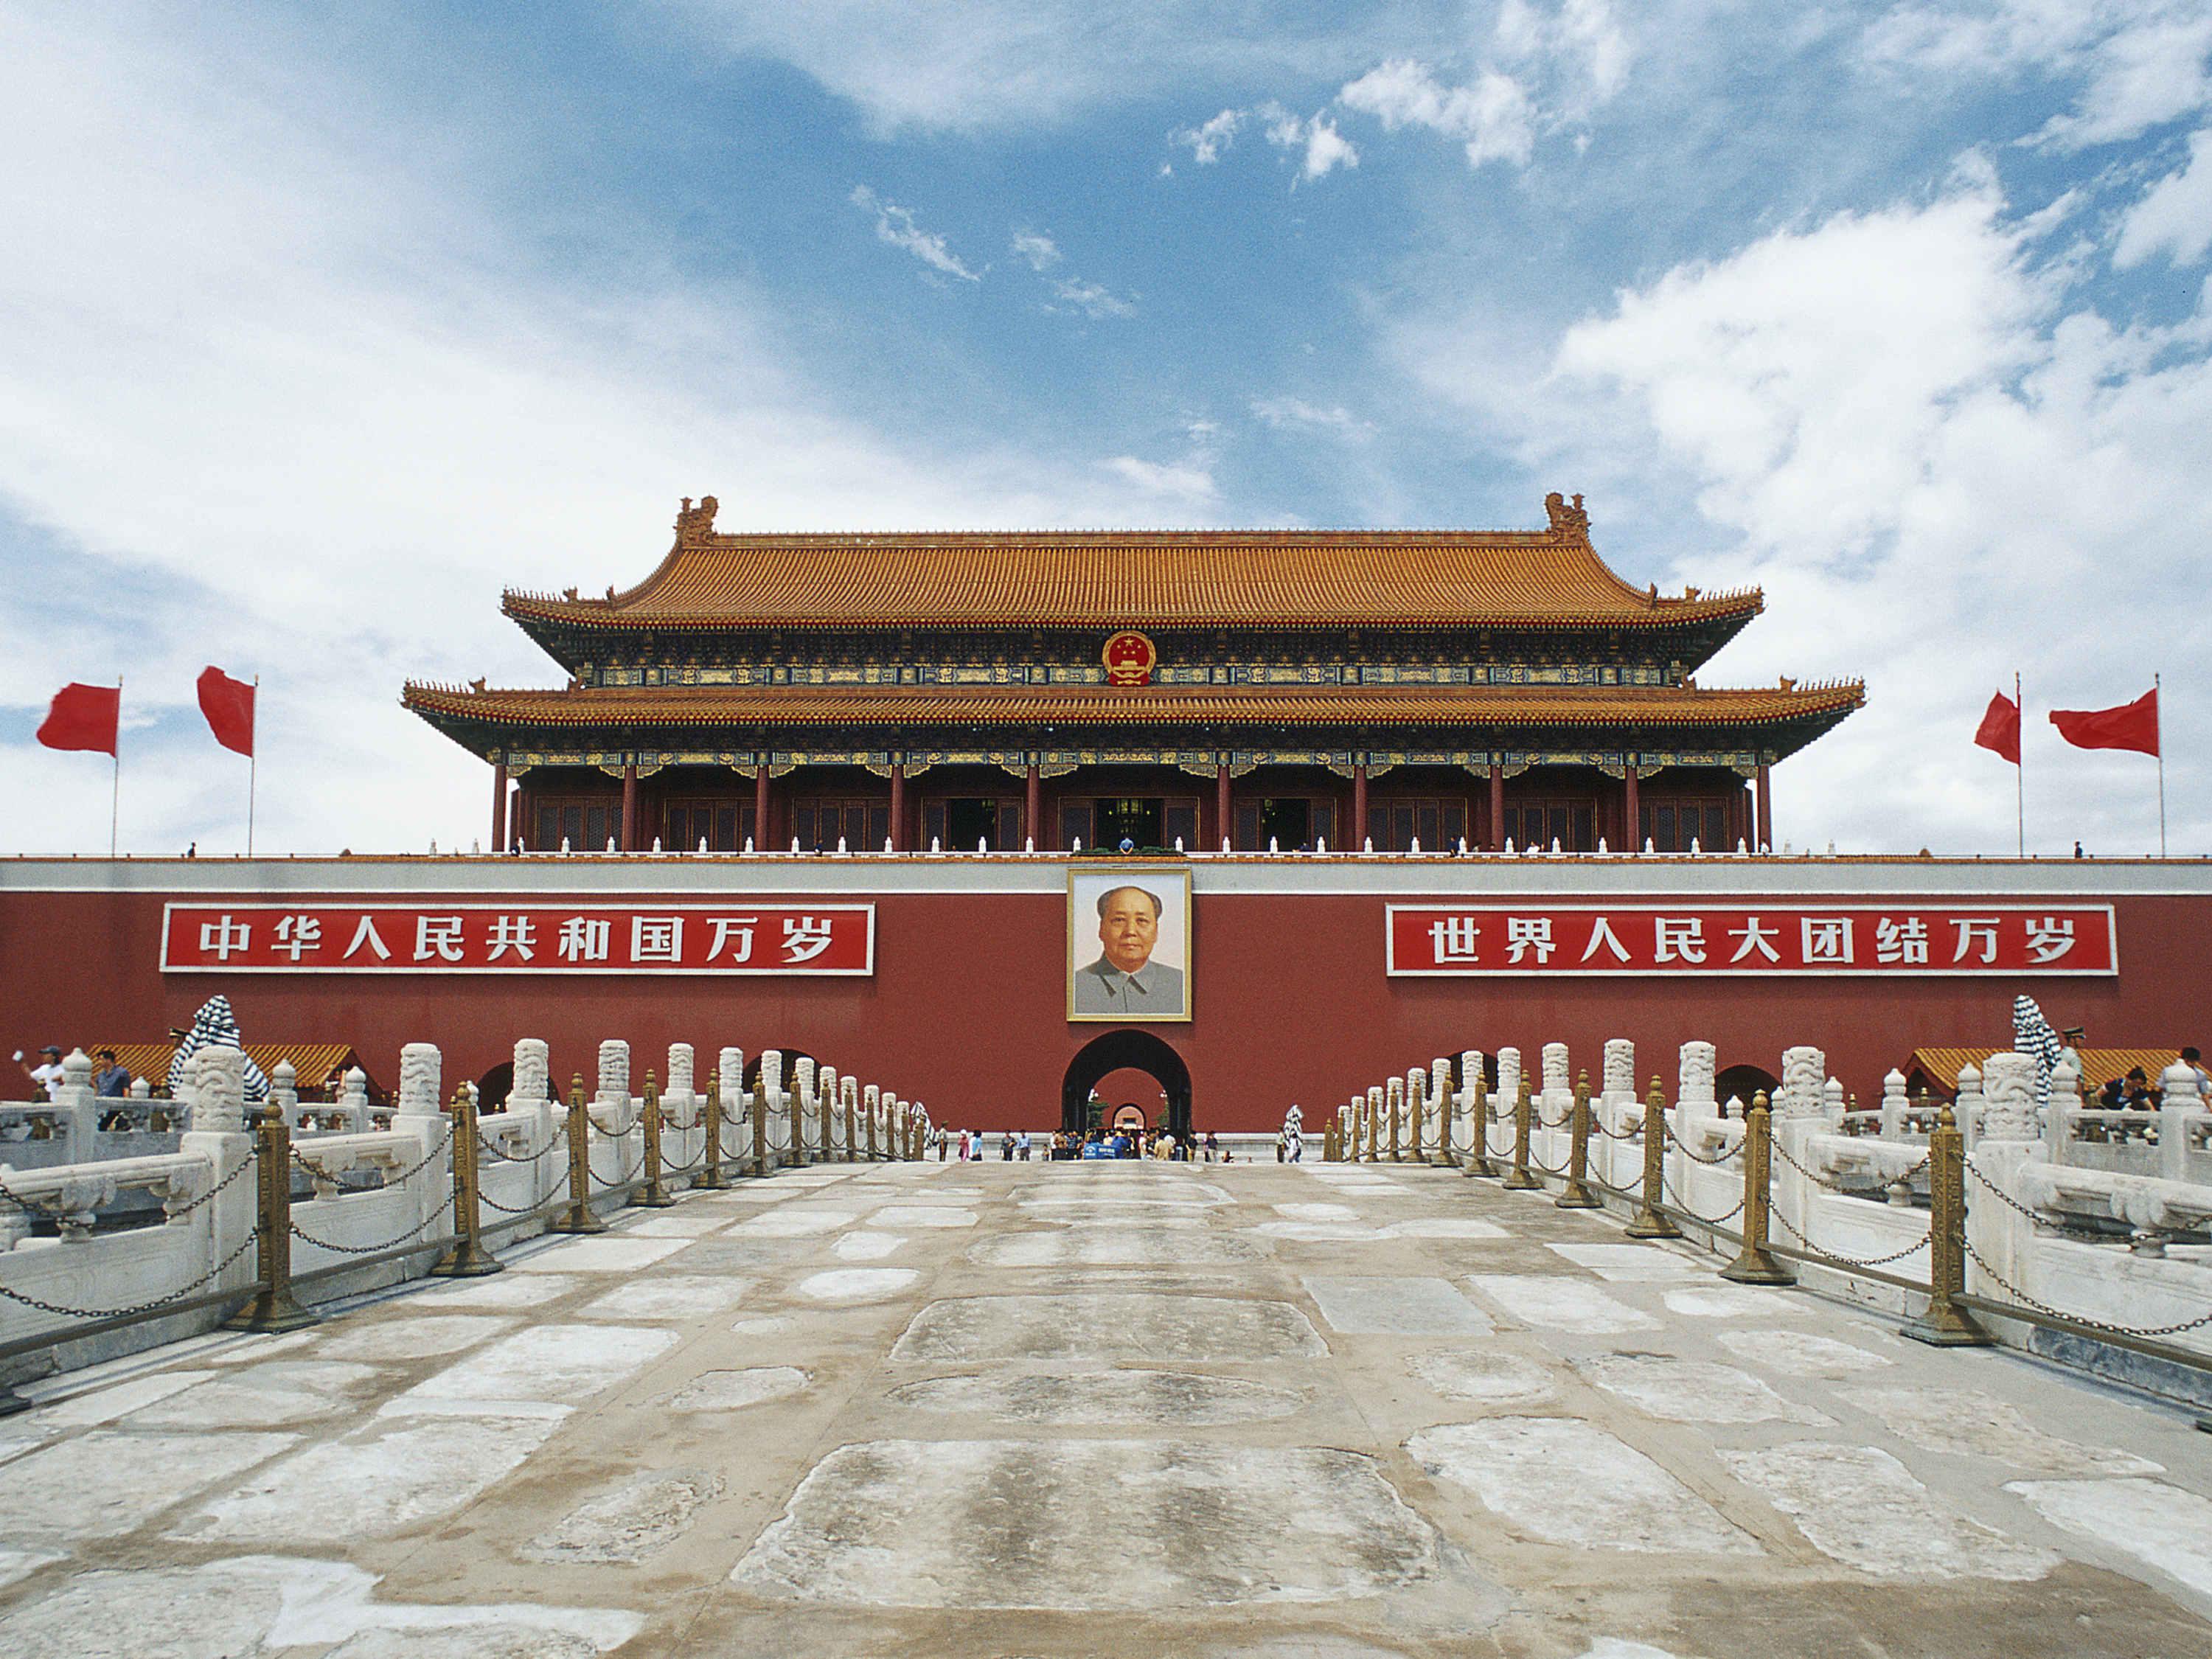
(494, 1087)
(1741, 1083)
(1138, 1051)
(791, 1058)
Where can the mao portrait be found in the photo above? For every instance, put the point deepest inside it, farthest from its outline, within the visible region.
(1128, 944)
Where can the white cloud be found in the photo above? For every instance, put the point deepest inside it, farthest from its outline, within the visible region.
(1325, 148)
(896, 226)
(1091, 298)
(1583, 38)
(2139, 63)
(2175, 217)
(1941, 474)
(1209, 138)
(987, 63)
(1291, 413)
(1037, 248)
(278, 404)
(1184, 482)
(1492, 115)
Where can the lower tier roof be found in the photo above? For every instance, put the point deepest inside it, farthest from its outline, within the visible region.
(1676, 708)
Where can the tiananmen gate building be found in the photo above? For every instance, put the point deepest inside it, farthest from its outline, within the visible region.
(1054, 734)
(1294, 689)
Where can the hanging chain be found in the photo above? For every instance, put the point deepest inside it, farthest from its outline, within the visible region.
(1790, 1227)
(1682, 1146)
(177, 1295)
(1683, 1204)
(438, 1214)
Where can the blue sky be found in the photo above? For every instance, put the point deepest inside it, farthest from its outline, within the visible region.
(322, 327)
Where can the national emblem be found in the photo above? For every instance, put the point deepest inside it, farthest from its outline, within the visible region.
(1129, 658)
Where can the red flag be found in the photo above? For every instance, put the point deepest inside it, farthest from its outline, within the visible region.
(1999, 731)
(84, 717)
(2132, 726)
(229, 705)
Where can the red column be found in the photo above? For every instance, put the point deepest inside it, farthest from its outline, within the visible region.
(499, 806)
(1632, 829)
(1497, 807)
(1357, 838)
(1033, 808)
(1765, 841)
(762, 838)
(898, 806)
(1221, 819)
(629, 836)
(516, 840)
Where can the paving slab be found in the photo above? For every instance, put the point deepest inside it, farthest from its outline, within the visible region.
(1242, 1411)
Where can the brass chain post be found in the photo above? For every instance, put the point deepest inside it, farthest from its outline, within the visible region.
(872, 1116)
(1650, 1222)
(655, 1196)
(760, 1128)
(852, 1122)
(1414, 1103)
(1478, 1153)
(711, 1178)
(579, 1218)
(272, 1308)
(1946, 1324)
(1755, 1264)
(1518, 1180)
(468, 1258)
(1577, 1194)
(1394, 1114)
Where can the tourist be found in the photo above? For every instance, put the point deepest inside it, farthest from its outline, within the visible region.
(2194, 1061)
(1022, 1146)
(1007, 1148)
(111, 1081)
(46, 1076)
(1212, 1146)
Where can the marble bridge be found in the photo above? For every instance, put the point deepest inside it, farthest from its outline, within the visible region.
(1253, 1412)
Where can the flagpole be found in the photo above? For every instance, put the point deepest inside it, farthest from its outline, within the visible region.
(116, 797)
(2019, 767)
(253, 767)
(2158, 733)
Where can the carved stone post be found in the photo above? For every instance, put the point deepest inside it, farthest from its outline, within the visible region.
(1894, 1103)
(737, 1107)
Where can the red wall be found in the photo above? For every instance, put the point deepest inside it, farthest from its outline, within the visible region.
(966, 1009)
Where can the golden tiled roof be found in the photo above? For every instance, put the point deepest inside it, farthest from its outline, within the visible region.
(310, 1061)
(1140, 579)
(1941, 1067)
(1167, 705)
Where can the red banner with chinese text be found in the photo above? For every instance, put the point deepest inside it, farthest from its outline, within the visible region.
(1904, 938)
(529, 937)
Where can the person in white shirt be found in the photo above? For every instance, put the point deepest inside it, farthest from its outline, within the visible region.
(46, 1076)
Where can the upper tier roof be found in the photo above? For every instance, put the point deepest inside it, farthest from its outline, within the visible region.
(1672, 707)
(1142, 579)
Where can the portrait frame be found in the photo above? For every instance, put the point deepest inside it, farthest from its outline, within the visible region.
(1086, 885)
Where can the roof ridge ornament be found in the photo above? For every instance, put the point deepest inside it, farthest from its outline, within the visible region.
(1569, 521)
(694, 524)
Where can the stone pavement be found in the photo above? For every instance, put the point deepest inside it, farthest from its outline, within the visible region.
(1324, 1412)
